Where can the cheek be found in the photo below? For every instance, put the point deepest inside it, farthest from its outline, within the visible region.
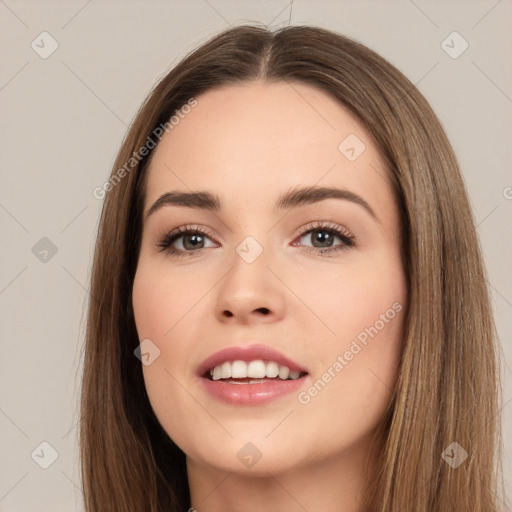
(355, 386)
(361, 297)
(357, 368)
(164, 310)
(159, 303)
(160, 300)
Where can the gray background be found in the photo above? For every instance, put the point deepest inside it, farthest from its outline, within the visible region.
(63, 119)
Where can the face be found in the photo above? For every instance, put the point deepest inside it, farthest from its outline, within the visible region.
(282, 277)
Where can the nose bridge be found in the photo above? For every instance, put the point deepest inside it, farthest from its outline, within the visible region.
(249, 263)
(250, 249)
(250, 287)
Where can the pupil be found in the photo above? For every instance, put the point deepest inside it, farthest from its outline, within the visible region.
(324, 238)
(193, 241)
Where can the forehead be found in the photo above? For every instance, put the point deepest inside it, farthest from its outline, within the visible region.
(253, 141)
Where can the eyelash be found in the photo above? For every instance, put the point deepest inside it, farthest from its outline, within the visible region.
(348, 240)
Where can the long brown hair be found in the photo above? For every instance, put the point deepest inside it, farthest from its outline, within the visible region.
(448, 388)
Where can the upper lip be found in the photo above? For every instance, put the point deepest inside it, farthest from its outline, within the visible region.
(247, 353)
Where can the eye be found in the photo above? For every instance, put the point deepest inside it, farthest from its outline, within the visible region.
(187, 240)
(323, 235)
(184, 241)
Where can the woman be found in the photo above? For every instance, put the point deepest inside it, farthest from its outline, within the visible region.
(289, 308)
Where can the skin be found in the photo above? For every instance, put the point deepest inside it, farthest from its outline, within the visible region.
(248, 144)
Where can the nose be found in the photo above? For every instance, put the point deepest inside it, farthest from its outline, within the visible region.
(251, 292)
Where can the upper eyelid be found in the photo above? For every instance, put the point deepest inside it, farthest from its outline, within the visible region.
(327, 225)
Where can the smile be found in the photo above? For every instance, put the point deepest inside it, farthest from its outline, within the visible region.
(250, 375)
(238, 372)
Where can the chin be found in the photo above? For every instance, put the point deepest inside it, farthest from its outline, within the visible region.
(249, 462)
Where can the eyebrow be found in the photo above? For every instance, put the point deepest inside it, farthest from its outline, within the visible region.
(291, 199)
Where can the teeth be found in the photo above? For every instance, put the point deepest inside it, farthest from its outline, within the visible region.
(284, 372)
(226, 371)
(272, 369)
(217, 373)
(238, 370)
(257, 369)
(254, 381)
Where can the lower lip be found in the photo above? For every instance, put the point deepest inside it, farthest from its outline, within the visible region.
(251, 394)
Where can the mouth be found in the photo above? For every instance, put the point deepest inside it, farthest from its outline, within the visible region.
(250, 375)
(256, 371)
